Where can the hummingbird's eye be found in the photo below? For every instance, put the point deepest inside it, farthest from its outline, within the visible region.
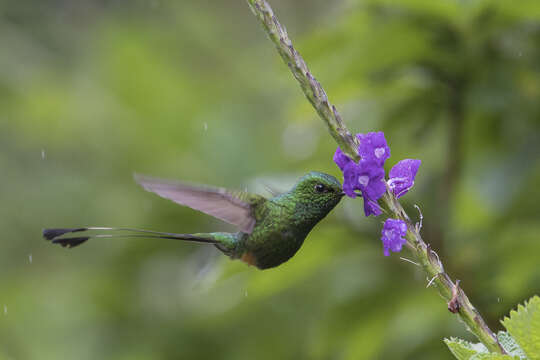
(320, 188)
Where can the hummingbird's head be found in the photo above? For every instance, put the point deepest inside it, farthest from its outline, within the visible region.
(320, 190)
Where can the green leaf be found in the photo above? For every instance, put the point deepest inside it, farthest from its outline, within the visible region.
(510, 345)
(464, 350)
(493, 356)
(524, 326)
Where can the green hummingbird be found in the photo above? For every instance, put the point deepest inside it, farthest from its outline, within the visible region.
(270, 230)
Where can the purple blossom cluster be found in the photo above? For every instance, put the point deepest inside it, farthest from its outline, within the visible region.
(368, 177)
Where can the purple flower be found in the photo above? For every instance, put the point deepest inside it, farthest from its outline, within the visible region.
(370, 179)
(350, 179)
(368, 174)
(373, 147)
(367, 177)
(341, 159)
(402, 176)
(371, 207)
(393, 233)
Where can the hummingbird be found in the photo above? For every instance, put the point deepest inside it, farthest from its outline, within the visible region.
(270, 230)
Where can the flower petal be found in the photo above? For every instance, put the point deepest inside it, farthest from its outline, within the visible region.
(350, 179)
(373, 147)
(402, 176)
(370, 180)
(371, 207)
(341, 159)
(393, 235)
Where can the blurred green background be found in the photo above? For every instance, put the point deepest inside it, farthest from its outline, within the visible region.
(92, 91)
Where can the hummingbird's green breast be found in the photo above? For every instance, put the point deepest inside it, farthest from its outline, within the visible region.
(274, 239)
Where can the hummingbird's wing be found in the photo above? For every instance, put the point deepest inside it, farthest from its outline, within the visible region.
(234, 207)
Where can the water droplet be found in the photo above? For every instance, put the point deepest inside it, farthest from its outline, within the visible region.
(205, 126)
(30, 258)
(246, 293)
(5, 309)
(498, 299)
(520, 54)
(42, 154)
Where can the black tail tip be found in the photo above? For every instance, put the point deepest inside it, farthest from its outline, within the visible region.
(71, 242)
(50, 234)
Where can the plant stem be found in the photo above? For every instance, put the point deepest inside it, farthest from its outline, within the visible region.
(458, 301)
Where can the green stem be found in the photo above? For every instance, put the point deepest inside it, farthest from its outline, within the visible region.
(458, 301)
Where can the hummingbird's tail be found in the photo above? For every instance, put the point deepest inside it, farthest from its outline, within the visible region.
(55, 235)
